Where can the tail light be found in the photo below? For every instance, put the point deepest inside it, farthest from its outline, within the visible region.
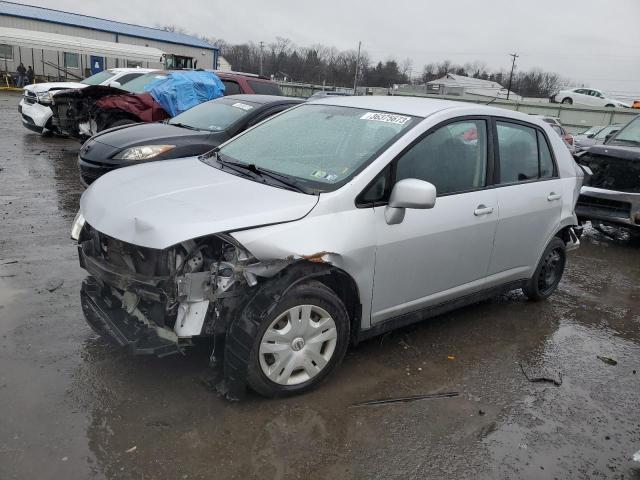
(568, 138)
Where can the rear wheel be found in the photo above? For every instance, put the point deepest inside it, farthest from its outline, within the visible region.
(609, 105)
(549, 272)
(299, 343)
(568, 101)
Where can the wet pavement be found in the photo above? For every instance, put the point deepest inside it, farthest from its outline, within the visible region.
(73, 407)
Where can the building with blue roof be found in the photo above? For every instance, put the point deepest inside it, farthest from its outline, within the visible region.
(180, 50)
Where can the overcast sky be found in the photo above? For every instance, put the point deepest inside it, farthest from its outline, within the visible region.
(593, 42)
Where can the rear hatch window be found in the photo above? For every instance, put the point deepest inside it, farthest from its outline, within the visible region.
(264, 88)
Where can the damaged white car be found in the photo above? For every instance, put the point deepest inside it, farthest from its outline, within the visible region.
(327, 224)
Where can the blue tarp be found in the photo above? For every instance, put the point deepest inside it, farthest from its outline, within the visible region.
(179, 91)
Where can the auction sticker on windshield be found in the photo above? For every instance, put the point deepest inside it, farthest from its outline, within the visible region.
(242, 106)
(385, 117)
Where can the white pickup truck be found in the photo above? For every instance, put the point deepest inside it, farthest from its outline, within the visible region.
(35, 103)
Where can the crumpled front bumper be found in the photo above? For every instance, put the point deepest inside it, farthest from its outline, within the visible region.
(34, 115)
(115, 324)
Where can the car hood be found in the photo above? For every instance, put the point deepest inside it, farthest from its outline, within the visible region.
(146, 134)
(160, 204)
(45, 87)
(616, 151)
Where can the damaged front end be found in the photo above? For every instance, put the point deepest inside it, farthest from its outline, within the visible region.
(73, 109)
(611, 194)
(157, 301)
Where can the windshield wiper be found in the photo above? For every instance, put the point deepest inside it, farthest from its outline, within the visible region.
(278, 177)
(250, 167)
(184, 125)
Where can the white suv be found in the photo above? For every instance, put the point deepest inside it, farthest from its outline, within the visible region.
(331, 222)
(34, 104)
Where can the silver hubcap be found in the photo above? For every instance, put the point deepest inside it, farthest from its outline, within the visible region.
(298, 345)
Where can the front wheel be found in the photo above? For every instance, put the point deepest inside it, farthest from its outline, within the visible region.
(299, 343)
(567, 101)
(549, 272)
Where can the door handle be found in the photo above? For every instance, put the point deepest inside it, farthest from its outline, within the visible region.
(482, 210)
(554, 196)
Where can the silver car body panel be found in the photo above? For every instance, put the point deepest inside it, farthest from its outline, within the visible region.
(160, 204)
(163, 203)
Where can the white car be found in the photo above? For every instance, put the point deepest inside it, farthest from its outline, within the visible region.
(34, 105)
(587, 96)
(326, 224)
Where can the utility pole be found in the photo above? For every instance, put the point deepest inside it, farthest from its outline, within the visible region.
(355, 79)
(513, 66)
(261, 55)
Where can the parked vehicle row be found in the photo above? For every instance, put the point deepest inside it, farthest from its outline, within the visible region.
(153, 97)
(35, 105)
(612, 192)
(325, 224)
(191, 133)
(123, 96)
(595, 136)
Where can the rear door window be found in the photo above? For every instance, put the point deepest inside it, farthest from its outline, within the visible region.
(524, 154)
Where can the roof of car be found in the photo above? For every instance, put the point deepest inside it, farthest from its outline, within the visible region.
(132, 69)
(264, 99)
(415, 106)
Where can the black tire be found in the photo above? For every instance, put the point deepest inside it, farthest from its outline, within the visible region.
(309, 293)
(568, 101)
(548, 273)
(609, 105)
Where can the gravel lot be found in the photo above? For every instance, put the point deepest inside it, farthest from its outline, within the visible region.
(73, 407)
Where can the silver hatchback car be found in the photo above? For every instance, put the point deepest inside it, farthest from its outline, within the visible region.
(329, 223)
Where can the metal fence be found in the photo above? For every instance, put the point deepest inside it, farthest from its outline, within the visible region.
(576, 119)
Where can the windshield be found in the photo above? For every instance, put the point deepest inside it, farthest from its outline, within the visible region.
(630, 134)
(592, 130)
(606, 131)
(215, 115)
(98, 78)
(137, 84)
(320, 145)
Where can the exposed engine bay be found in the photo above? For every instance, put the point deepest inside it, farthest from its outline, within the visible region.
(177, 293)
(613, 169)
(82, 113)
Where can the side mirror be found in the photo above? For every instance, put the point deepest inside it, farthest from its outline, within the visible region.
(591, 135)
(115, 84)
(409, 193)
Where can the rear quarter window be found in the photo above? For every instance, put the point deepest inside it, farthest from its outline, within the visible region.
(231, 88)
(264, 88)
